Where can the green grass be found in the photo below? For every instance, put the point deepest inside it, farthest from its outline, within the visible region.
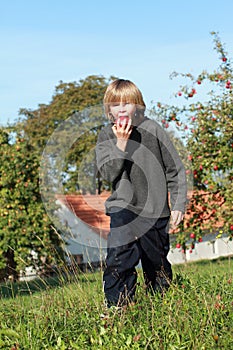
(64, 313)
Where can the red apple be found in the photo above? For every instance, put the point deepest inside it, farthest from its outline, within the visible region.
(224, 59)
(228, 85)
(123, 120)
(215, 167)
(192, 235)
(190, 157)
(200, 239)
(231, 227)
(178, 245)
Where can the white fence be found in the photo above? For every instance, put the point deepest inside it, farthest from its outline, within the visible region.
(211, 249)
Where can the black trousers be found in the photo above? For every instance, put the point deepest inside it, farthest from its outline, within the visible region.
(131, 239)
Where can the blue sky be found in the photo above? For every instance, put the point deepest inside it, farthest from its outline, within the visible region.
(45, 41)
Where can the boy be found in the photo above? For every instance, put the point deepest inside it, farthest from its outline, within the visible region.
(135, 154)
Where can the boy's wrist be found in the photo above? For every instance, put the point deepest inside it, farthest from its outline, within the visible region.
(121, 144)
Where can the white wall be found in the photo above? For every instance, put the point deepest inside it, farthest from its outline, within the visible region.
(80, 238)
(204, 250)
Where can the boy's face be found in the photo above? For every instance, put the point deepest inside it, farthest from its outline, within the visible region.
(122, 109)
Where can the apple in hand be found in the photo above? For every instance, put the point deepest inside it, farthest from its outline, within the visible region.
(123, 120)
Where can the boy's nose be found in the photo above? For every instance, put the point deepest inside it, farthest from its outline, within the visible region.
(122, 106)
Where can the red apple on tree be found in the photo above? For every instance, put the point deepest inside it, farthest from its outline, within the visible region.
(190, 157)
(210, 131)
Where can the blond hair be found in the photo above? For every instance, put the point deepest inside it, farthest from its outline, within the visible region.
(122, 90)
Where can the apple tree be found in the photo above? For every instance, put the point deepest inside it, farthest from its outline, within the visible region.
(203, 117)
(27, 237)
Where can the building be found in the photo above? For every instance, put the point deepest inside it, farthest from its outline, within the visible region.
(87, 226)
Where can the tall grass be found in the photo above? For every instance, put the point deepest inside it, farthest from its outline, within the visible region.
(65, 313)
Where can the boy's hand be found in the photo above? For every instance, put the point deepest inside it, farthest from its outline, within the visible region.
(122, 132)
(176, 218)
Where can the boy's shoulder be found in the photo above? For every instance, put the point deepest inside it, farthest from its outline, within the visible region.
(151, 126)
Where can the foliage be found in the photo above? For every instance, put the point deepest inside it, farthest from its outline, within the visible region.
(26, 235)
(26, 231)
(196, 313)
(38, 125)
(206, 125)
(78, 103)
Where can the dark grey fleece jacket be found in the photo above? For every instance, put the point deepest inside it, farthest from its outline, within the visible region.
(145, 173)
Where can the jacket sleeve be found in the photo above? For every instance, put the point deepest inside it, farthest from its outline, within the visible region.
(110, 159)
(174, 172)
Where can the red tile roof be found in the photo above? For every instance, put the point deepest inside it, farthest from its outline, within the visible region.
(90, 209)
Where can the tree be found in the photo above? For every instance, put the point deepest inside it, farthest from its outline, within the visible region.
(206, 125)
(78, 103)
(27, 237)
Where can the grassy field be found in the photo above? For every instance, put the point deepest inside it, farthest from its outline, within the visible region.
(65, 313)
